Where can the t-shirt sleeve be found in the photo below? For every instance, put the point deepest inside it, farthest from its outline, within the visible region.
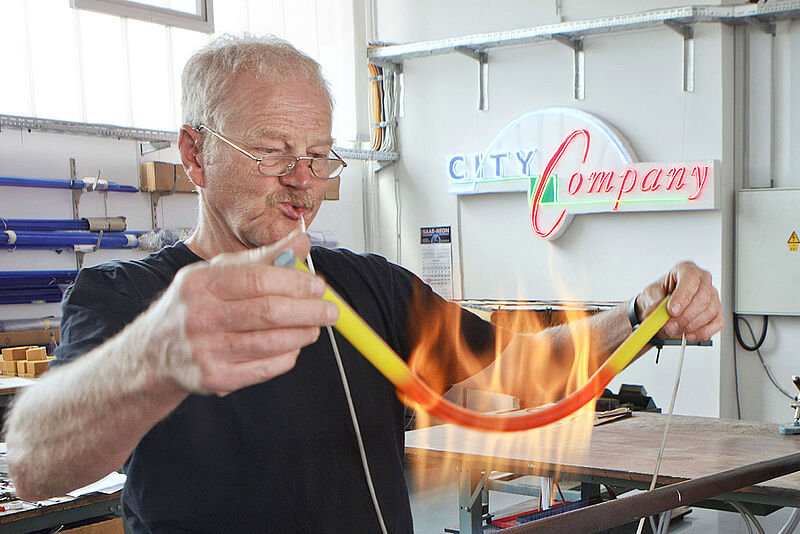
(443, 342)
(93, 310)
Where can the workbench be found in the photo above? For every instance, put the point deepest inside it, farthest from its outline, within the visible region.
(621, 454)
(62, 511)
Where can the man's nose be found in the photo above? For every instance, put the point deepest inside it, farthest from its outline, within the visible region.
(299, 176)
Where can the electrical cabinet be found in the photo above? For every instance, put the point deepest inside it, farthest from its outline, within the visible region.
(768, 252)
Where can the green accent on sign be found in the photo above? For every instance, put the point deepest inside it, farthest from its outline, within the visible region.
(550, 190)
(621, 201)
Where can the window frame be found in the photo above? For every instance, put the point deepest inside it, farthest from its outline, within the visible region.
(202, 21)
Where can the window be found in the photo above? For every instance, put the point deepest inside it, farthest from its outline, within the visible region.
(86, 66)
(194, 15)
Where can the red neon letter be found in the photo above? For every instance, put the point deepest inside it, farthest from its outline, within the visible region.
(537, 198)
(676, 172)
(573, 190)
(622, 190)
(700, 183)
(601, 178)
(656, 186)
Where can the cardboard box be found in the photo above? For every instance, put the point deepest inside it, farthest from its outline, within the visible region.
(37, 368)
(36, 353)
(15, 353)
(332, 188)
(29, 337)
(8, 368)
(160, 176)
(22, 367)
(110, 526)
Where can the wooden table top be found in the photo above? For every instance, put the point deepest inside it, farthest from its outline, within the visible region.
(622, 450)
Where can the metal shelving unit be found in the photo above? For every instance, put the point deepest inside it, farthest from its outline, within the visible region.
(159, 138)
(571, 34)
(366, 155)
(83, 128)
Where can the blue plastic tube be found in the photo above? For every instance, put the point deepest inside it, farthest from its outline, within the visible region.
(61, 240)
(44, 225)
(30, 296)
(50, 183)
(28, 279)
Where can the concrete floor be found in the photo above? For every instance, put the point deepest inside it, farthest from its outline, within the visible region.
(434, 503)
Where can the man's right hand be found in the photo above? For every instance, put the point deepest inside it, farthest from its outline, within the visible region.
(238, 320)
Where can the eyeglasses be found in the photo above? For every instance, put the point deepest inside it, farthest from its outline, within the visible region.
(281, 164)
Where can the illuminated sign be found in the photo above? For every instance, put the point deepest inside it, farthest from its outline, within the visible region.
(569, 162)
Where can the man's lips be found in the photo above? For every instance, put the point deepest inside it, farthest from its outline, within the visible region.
(293, 210)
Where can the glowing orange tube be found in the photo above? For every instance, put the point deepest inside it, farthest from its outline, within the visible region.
(381, 355)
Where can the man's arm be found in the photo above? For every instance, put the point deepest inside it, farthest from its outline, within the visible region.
(546, 366)
(219, 327)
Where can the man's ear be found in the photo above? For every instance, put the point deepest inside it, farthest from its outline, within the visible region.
(189, 144)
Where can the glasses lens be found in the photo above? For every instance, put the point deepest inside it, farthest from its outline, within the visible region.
(275, 165)
(326, 167)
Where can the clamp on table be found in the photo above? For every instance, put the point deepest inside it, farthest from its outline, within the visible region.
(794, 426)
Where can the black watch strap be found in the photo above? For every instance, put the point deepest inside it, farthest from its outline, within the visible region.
(632, 317)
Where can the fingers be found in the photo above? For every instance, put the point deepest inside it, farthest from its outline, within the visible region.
(252, 372)
(249, 346)
(683, 281)
(251, 273)
(263, 313)
(246, 281)
(240, 320)
(694, 306)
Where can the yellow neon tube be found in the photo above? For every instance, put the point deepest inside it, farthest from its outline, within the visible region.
(381, 355)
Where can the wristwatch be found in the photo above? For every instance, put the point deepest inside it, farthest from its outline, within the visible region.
(633, 317)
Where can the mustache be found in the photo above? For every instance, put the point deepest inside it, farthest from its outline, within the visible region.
(293, 197)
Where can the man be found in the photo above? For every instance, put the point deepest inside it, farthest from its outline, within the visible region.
(200, 368)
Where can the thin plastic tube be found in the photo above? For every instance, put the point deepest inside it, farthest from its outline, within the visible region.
(49, 183)
(351, 407)
(22, 279)
(29, 296)
(791, 523)
(417, 394)
(44, 225)
(59, 240)
(666, 428)
(17, 325)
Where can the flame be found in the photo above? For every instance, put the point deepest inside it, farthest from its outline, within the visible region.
(380, 354)
(443, 351)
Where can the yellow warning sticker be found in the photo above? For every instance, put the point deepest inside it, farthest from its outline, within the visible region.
(793, 242)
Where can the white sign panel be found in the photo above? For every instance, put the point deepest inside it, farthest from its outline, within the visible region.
(570, 162)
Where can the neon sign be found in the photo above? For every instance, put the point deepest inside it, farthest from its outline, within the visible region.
(588, 169)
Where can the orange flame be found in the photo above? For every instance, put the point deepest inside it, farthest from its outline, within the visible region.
(443, 353)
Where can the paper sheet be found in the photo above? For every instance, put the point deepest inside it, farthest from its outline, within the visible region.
(108, 485)
(12, 382)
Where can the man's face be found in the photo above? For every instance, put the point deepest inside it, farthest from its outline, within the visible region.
(289, 117)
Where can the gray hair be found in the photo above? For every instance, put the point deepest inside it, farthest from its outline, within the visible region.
(211, 71)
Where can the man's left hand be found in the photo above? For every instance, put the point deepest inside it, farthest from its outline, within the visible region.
(694, 307)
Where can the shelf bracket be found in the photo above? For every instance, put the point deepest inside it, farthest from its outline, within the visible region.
(483, 74)
(766, 26)
(687, 32)
(576, 44)
(76, 207)
(146, 147)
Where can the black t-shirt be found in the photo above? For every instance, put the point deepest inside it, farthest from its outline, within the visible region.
(280, 456)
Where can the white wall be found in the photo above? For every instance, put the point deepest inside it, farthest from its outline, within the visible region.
(632, 81)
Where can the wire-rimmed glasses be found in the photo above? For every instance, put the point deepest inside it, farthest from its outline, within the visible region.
(324, 168)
